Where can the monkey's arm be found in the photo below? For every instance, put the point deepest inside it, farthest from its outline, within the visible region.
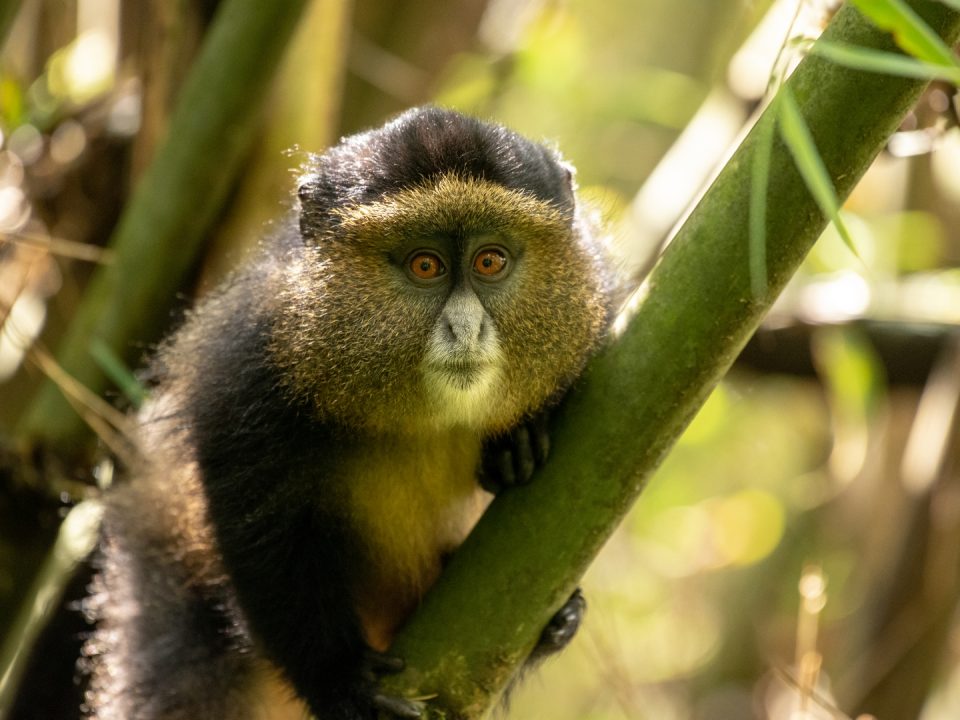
(290, 564)
(285, 541)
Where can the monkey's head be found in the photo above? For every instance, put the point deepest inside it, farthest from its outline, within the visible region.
(445, 278)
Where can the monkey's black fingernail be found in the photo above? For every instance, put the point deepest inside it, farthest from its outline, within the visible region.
(524, 463)
(400, 707)
(505, 468)
(563, 626)
(540, 437)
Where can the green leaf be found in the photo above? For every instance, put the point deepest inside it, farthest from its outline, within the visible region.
(886, 63)
(909, 30)
(115, 369)
(955, 4)
(848, 365)
(800, 142)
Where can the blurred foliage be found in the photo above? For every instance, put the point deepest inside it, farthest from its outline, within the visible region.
(694, 604)
(576, 77)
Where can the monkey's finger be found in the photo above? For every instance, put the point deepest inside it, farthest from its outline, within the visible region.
(377, 663)
(504, 464)
(398, 706)
(539, 429)
(523, 460)
(562, 626)
(492, 468)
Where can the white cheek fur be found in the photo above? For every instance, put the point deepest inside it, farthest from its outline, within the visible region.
(460, 400)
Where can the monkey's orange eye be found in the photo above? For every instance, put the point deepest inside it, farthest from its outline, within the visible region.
(426, 266)
(489, 262)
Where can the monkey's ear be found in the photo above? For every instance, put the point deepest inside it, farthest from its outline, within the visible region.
(307, 185)
(569, 181)
(570, 174)
(313, 211)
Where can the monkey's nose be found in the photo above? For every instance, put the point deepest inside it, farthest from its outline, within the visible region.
(464, 324)
(465, 332)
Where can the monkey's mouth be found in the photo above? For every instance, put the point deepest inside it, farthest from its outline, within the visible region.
(464, 370)
(461, 391)
(461, 373)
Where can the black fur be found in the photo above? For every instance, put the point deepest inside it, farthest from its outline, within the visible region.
(289, 556)
(422, 144)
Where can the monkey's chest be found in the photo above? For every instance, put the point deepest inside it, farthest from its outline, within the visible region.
(414, 503)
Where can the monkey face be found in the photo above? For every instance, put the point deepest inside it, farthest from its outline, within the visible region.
(453, 303)
(462, 359)
(445, 279)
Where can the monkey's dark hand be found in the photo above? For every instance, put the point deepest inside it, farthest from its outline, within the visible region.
(375, 666)
(511, 459)
(562, 627)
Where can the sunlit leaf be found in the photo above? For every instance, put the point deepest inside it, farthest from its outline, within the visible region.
(850, 369)
(955, 4)
(797, 136)
(909, 30)
(11, 102)
(748, 526)
(883, 62)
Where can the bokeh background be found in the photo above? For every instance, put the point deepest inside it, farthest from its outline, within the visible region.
(796, 556)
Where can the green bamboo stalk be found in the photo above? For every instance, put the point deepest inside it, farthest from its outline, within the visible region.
(694, 314)
(174, 205)
(8, 13)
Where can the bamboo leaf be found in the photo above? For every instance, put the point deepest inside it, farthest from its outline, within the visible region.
(909, 30)
(117, 371)
(887, 63)
(802, 147)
